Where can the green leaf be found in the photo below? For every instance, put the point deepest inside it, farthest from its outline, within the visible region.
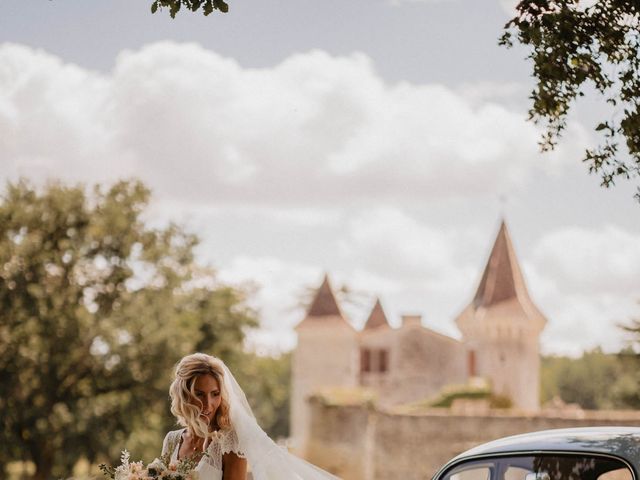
(222, 6)
(175, 8)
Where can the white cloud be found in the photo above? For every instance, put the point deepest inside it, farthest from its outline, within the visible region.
(391, 242)
(580, 260)
(276, 286)
(314, 129)
(314, 144)
(585, 280)
(513, 94)
(594, 319)
(52, 118)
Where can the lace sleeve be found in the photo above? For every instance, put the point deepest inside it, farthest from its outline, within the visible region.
(229, 443)
(170, 442)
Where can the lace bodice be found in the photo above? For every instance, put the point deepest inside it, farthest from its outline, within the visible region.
(210, 466)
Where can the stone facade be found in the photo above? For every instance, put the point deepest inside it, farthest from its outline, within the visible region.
(420, 362)
(500, 330)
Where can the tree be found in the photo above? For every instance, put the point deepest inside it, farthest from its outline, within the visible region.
(574, 46)
(174, 6)
(267, 383)
(595, 381)
(95, 309)
(628, 390)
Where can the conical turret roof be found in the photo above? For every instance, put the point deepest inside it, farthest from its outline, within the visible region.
(502, 279)
(324, 309)
(502, 291)
(377, 317)
(324, 303)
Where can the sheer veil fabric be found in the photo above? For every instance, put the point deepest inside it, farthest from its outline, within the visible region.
(267, 460)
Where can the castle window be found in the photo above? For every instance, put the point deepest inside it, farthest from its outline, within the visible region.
(383, 361)
(365, 360)
(471, 365)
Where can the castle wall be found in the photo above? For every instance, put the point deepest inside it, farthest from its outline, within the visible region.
(363, 443)
(341, 439)
(421, 362)
(424, 362)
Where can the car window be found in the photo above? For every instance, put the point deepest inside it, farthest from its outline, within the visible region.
(476, 472)
(518, 473)
(540, 467)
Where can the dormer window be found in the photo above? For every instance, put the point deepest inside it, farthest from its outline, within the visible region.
(383, 361)
(374, 360)
(471, 363)
(365, 360)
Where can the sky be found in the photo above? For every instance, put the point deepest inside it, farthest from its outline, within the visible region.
(378, 141)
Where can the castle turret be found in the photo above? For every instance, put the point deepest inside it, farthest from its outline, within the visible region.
(377, 318)
(326, 356)
(501, 328)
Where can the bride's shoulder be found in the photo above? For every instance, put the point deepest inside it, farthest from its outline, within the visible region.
(171, 440)
(174, 433)
(228, 442)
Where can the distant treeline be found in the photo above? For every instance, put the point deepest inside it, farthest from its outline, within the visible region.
(596, 380)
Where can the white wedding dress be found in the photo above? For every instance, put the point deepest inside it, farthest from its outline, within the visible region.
(267, 461)
(210, 465)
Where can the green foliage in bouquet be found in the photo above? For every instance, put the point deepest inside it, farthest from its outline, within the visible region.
(160, 468)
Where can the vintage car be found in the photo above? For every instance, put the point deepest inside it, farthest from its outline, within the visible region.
(598, 453)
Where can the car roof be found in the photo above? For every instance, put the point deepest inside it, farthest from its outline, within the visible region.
(622, 442)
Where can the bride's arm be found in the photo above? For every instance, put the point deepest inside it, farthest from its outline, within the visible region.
(234, 467)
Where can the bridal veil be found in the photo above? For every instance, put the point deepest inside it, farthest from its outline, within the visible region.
(267, 460)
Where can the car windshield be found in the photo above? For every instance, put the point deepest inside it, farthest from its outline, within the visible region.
(541, 467)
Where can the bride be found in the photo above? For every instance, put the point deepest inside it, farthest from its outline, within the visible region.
(220, 429)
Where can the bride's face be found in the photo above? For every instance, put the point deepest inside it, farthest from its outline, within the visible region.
(207, 397)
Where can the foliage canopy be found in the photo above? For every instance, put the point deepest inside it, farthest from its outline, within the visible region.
(95, 309)
(174, 6)
(575, 44)
(594, 381)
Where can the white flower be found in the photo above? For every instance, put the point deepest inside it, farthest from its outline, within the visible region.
(124, 458)
(122, 473)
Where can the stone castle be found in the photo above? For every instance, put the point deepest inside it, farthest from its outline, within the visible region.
(499, 342)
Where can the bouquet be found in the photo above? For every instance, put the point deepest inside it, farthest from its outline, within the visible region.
(160, 469)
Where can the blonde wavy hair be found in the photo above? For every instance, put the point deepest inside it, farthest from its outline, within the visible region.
(184, 403)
